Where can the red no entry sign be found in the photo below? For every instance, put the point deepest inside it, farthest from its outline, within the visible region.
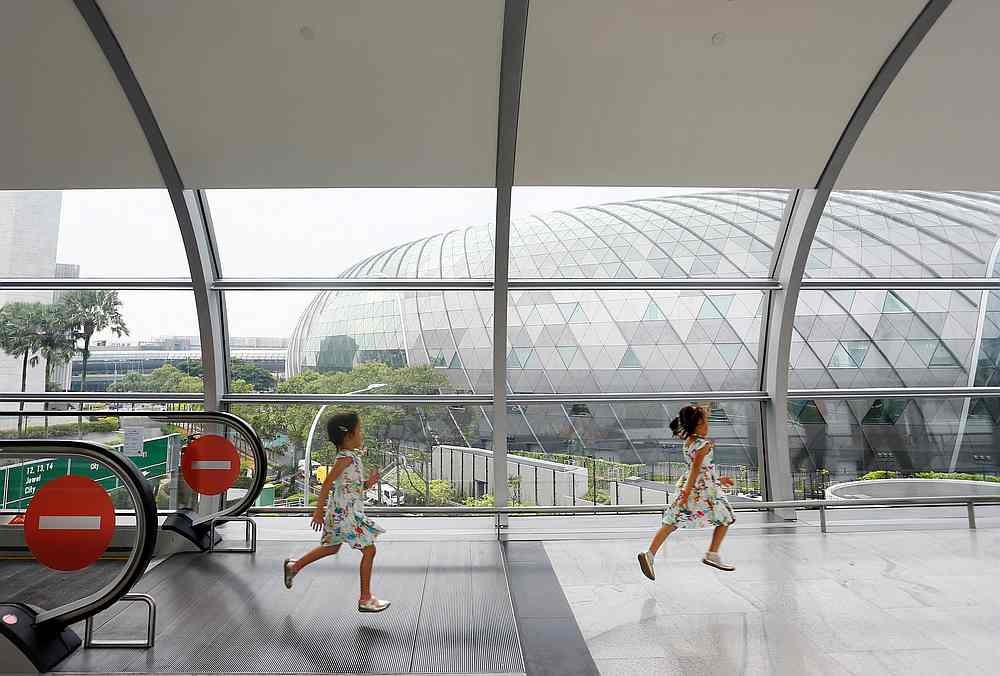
(69, 523)
(210, 464)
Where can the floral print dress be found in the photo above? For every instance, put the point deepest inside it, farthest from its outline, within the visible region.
(707, 504)
(345, 508)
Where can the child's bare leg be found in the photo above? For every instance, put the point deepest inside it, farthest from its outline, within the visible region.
(660, 538)
(314, 555)
(717, 535)
(367, 561)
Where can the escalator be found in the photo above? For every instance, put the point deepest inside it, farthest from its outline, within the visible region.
(91, 554)
(79, 521)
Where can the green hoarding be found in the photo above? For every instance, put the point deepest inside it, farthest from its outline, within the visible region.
(20, 482)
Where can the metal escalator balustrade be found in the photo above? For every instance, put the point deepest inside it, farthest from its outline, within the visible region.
(169, 436)
(74, 509)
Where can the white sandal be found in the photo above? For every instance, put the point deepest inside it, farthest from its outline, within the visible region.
(372, 605)
(712, 559)
(289, 573)
(646, 565)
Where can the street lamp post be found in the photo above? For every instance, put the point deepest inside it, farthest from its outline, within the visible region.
(307, 469)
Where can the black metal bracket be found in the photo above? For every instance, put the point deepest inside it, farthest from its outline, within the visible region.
(43, 648)
(202, 535)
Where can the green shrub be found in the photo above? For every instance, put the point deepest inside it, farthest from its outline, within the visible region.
(883, 474)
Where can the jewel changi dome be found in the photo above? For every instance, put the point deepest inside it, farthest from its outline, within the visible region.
(575, 341)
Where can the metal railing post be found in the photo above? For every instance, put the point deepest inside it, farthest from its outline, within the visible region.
(822, 519)
(971, 508)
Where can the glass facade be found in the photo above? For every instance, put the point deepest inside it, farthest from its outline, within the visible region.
(618, 310)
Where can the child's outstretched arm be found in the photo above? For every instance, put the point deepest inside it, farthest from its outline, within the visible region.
(319, 513)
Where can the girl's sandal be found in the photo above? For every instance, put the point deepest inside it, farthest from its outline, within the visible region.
(372, 605)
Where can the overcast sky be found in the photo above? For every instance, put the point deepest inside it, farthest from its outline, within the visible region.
(274, 233)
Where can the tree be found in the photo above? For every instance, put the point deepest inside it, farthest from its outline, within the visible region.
(21, 327)
(191, 367)
(91, 311)
(57, 343)
(261, 379)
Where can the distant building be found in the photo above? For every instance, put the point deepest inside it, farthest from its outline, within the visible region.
(29, 234)
(109, 363)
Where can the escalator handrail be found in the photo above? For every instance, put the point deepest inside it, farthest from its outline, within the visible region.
(257, 446)
(145, 523)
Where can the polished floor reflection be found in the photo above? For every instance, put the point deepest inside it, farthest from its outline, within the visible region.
(889, 602)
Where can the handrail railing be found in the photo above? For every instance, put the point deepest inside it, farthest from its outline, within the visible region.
(200, 417)
(145, 523)
(748, 506)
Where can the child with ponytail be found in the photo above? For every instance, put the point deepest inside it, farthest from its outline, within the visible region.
(343, 520)
(701, 501)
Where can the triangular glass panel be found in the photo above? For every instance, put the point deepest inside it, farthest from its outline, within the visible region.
(857, 349)
(729, 352)
(512, 361)
(456, 363)
(578, 316)
(805, 412)
(943, 357)
(708, 311)
(567, 353)
(532, 361)
(629, 360)
(884, 412)
(567, 309)
(840, 359)
(893, 305)
(653, 313)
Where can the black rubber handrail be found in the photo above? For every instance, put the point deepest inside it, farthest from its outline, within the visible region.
(145, 523)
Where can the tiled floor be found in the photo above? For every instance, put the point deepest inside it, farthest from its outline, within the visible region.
(891, 602)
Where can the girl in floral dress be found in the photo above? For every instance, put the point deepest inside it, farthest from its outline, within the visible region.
(340, 512)
(701, 501)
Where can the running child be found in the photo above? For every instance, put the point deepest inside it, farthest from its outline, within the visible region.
(340, 510)
(701, 501)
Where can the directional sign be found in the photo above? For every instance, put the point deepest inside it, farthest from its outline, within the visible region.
(20, 482)
(69, 523)
(210, 464)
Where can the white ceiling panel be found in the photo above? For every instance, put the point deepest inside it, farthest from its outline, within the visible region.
(695, 92)
(937, 127)
(257, 93)
(64, 121)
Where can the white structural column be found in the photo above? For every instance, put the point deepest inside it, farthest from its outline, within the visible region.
(189, 208)
(515, 23)
(802, 215)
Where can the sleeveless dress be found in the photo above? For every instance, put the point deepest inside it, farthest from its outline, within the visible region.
(345, 521)
(707, 504)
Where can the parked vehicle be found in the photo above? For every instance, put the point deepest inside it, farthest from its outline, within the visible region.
(391, 496)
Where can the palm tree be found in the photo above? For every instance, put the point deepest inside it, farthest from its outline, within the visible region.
(90, 311)
(57, 345)
(20, 336)
(57, 341)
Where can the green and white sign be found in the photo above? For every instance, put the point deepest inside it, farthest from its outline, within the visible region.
(20, 482)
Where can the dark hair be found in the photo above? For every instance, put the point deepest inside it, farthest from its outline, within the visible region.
(687, 421)
(341, 425)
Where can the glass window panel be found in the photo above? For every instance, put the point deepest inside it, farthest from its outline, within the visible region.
(644, 233)
(895, 338)
(427, 455)
(625, 450)
(413, 232)
(89, 233)
(610, 341)
(146, 341)
(842, 440)
(875, 233)
(292, 334)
